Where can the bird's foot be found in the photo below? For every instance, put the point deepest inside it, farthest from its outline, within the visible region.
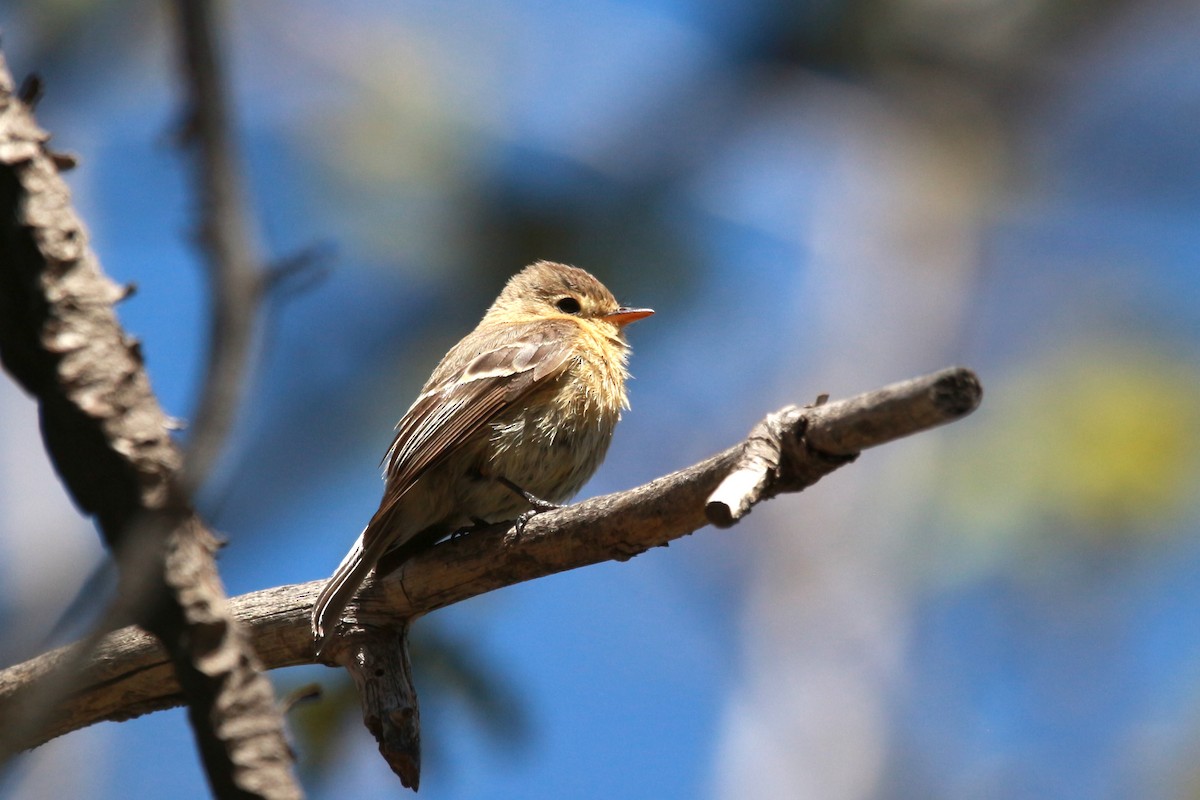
(537, 503)
(519, 522)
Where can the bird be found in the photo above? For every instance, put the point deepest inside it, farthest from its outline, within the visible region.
(515, 418)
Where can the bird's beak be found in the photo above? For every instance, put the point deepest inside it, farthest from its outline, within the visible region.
(623, 316)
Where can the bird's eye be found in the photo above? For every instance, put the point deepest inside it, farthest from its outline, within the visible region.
(568, 305)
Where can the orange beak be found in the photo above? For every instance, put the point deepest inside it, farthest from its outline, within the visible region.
(623, 316)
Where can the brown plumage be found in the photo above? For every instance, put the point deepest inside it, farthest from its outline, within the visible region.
(525, 402)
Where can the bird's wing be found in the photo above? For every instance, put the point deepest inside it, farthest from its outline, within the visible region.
(458, 405)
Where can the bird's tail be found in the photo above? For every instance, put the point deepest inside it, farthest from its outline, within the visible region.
(338, 590)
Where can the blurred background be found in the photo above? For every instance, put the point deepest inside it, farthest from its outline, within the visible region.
(821, 196)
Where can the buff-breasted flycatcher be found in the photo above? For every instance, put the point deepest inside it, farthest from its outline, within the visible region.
(517, 415)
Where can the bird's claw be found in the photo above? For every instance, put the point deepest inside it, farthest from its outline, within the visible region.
(538, 503)
(520, 522)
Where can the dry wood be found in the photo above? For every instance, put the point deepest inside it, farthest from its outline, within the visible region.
(377, 660)
(129, 675)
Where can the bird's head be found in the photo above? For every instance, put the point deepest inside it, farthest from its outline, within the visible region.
(548, 290)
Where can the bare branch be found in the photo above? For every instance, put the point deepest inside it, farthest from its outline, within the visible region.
(108, 439)
(755, 470)
(865, 421)
(128, 675)
(236, 280)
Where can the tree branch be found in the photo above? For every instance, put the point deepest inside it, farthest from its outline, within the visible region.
(236, 280)
(108, 440)
(128, 674)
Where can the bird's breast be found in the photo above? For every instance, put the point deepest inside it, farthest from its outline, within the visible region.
(557, 438)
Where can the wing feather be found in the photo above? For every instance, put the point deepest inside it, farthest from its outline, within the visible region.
(458, 404)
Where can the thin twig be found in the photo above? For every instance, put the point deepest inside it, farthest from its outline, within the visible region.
(235, 276)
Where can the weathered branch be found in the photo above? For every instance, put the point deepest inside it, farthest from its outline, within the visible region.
(128, 675)
(756, 468)
(108, 439)
(376, 657)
